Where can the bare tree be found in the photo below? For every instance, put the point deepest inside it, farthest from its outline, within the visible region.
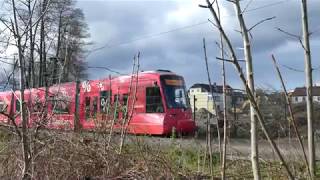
(31, 73)
(24, 118)
(42, 48)
(250, 94)
(308, 72)
(224, 152)
(291, 119)
(128, 115)
(209, 142)
(250, 81)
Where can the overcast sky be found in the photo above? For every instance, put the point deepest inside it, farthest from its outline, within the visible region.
(169, 36)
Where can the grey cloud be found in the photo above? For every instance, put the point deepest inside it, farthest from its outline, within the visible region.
(119, 24)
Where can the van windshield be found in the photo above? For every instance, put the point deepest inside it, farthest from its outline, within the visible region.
(174, 91)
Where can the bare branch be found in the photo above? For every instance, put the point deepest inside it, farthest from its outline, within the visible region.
(203, 6)
(291, 68)
(215, 110)
(232, 1)
(222, 49)
(289, 34)
(12, 120)
(262, 21)
(38, 20)
(247, 6)
(292, 120)
(213, 23)
(229, 60)
(294, 36)
(315, 31)
(207, 6)
(238, 31)
(4, 22)
(250, 93)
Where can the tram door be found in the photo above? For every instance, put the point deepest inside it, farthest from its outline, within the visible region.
(105, 107)
(90, 110)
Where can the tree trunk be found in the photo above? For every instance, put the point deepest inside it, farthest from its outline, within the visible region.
(292, 119)
(250, 80)
(224, 151)
(125, 114)
(215, 109)
(42, 50)
(251, 96)
(55, 63)
(224, 114)
(308, 72)
(23, 117)
(31, 41)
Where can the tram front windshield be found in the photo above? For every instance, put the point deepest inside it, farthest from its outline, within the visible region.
(175, 92)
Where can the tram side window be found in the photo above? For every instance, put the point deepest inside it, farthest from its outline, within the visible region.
(125, 99)
(60, 106)
(17, 105)
(104, 100)
(87, 107)
(116, 98)
(37, 107)
(153, 100)
(116, 105)
(95, 106)
(3, 106)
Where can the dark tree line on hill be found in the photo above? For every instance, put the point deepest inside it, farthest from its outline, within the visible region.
(53, 40)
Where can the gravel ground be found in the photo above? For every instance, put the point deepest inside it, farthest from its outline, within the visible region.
(236, 148)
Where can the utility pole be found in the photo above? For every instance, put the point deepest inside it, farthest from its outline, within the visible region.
(308, 73)
(194, 107)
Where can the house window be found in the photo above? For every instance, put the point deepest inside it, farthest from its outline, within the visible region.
(153, 100)
(296, 99)
(303, 98)
(318, 98)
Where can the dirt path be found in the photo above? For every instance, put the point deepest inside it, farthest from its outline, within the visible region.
(237, 148)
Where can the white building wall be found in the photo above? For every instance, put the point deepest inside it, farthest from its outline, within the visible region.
(205, 100)
(300, 99)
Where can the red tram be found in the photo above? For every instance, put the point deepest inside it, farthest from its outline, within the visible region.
(154, 102)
